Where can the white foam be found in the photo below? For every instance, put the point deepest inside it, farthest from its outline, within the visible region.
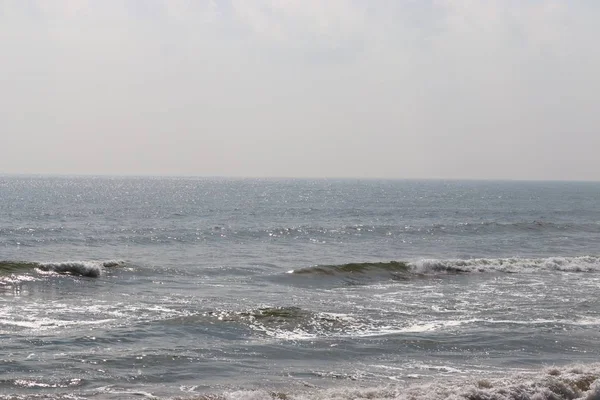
(527, 265)
(44, 323)
(83, 268)
(574, 382)
(92, 269)
(355, 328)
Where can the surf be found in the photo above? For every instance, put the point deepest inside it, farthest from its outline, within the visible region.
(405, 270)
(89, 269)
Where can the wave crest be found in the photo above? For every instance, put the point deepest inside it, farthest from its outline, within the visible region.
(290, 323)
(403, 270)
(91, 269)
(393, 267)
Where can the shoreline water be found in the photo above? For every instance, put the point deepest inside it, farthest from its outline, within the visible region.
(576, 381)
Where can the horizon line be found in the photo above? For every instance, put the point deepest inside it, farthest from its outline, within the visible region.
(274, 178)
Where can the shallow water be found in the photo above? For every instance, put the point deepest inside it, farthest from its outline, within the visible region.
(128, 287)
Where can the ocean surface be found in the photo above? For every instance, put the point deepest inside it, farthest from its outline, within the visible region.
(118, 288)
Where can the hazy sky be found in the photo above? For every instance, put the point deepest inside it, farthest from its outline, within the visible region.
(301, 88)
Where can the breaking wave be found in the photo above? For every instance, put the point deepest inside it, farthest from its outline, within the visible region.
(403, 270)
(565, 383)
(91, 269)
(574, 382)
(289, 323)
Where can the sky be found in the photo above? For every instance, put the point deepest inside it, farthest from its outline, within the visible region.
(400, 89)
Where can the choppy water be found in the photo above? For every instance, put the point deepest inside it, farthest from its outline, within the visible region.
(298, 289)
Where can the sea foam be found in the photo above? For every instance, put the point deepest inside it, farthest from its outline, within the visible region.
(402, 270)
(566, 383)
(91, 269)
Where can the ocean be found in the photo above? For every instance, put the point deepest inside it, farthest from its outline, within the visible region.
(198, 288)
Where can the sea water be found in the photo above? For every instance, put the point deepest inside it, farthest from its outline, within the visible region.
(117, 288)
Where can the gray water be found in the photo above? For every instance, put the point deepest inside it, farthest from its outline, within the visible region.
(312, 289)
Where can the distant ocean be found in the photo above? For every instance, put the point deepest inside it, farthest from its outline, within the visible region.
(117, 288)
